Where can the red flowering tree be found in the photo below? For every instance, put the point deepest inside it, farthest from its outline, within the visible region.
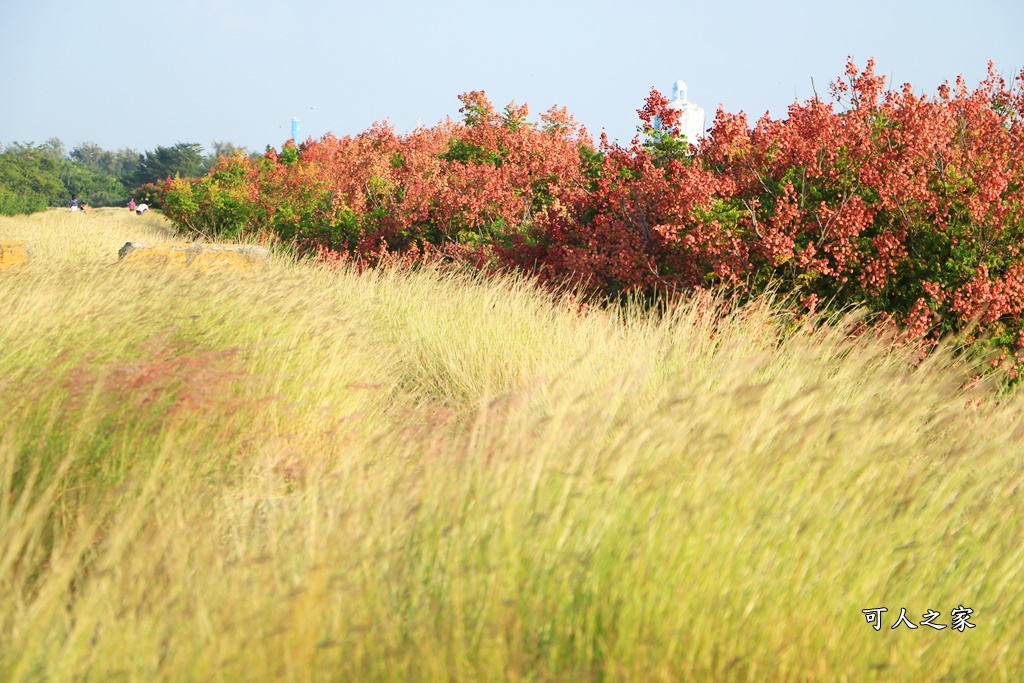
(909, 204)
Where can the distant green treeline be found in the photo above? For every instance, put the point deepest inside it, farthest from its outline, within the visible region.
(35, 177)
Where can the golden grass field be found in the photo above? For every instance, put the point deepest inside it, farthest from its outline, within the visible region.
(300, 475)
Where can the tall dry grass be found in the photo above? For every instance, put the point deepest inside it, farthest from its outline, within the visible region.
(306, 475)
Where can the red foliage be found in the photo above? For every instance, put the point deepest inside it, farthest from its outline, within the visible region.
(907, 203)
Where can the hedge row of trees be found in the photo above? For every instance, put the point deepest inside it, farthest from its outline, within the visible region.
(910, 204)
(34, 177)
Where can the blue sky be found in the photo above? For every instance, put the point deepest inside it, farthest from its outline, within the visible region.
(140, 74)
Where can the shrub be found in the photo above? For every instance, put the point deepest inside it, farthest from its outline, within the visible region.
(908, 204)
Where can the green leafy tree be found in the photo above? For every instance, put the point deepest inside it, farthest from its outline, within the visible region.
(101, 177)
(29, 179)
(121, 163)
(184, 159)
(54, 149)
(92, 185)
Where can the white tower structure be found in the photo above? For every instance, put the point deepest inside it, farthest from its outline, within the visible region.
(691, 119)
